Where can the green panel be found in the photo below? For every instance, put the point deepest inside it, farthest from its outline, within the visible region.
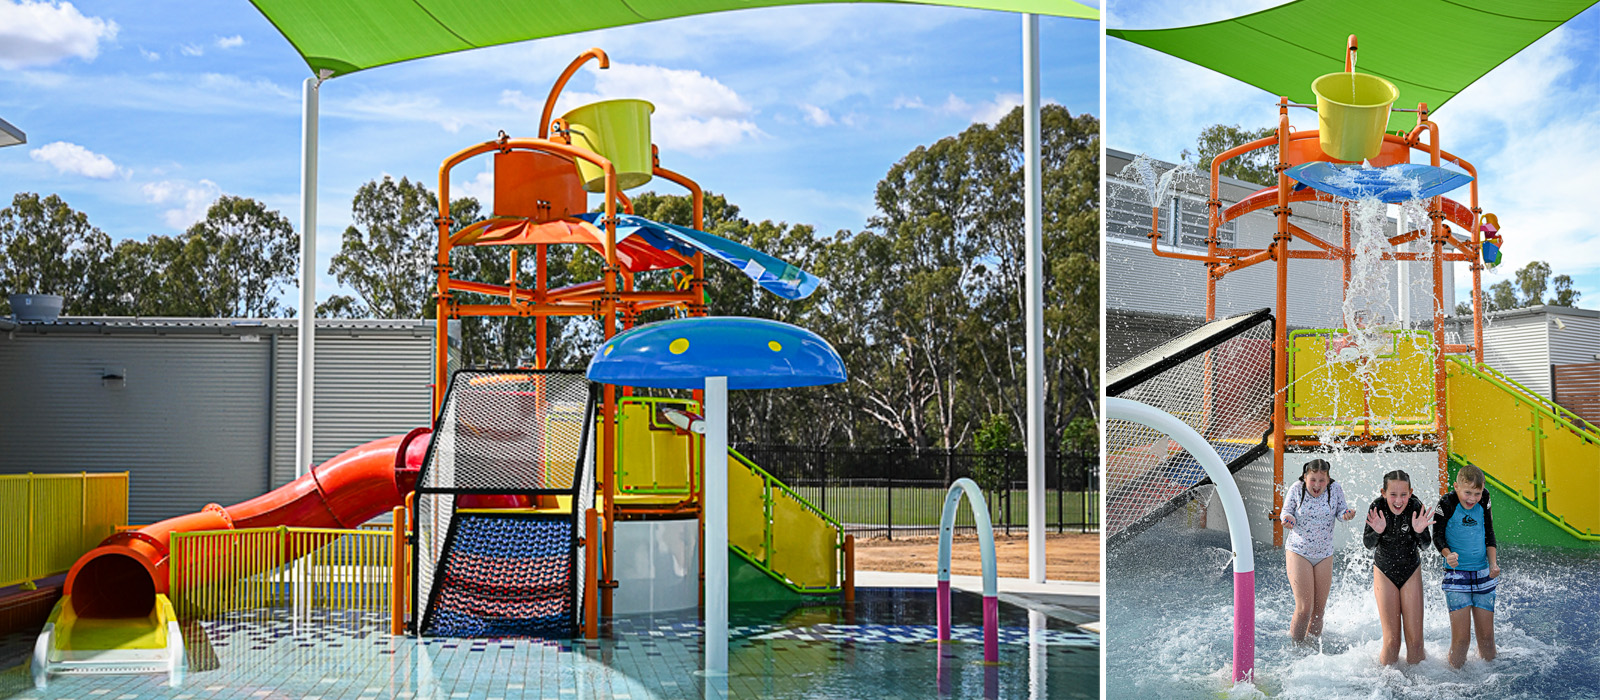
(344, 36)
(748, 583)
(1430, 49)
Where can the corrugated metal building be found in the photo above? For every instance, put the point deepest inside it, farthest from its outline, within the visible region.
(1525, 343)
(200, 410)
(1151, 299)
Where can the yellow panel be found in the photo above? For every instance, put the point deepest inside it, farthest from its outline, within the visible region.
(803, 545)
(105, 507)
(13, 529)
(652, 456)
(1321, 391)
(747, 510)
(1403, 384)
(1572, 475)
(57, 523)
(1491, 429)
(1333, 392)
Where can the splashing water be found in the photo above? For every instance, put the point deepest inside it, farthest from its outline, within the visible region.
(1176, 641)
(1157, 186)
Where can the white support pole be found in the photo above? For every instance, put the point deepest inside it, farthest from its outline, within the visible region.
(1034, 205)
(716, 513)
(306, 366)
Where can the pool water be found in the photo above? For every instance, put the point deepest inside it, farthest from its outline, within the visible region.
(1169, 626)
(879, 649)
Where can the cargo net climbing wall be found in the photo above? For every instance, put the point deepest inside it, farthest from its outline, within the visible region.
(1218, 380)
(500, 506)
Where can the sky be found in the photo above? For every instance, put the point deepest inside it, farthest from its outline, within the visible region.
(142, 114)
(1531, 126)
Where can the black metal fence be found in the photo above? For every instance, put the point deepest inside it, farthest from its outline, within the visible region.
(899, 491)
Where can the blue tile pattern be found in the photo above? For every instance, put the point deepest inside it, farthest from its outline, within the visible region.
(879, 650)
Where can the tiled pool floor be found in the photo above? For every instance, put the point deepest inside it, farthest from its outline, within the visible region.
(879, 650)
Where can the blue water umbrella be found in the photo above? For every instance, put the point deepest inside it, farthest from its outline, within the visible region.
(773, 274)
(1391, 184)
(717, 354)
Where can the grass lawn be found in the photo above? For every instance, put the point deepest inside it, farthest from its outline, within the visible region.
(918, 505)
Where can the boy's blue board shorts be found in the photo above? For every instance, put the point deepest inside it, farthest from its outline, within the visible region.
(1464, 589)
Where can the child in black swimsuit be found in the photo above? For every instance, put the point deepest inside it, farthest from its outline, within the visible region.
(1397, 527)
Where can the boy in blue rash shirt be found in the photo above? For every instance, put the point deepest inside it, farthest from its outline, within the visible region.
(1464, 534)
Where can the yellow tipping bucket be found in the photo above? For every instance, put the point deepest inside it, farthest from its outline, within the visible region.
(1352, 113)
(619, 131)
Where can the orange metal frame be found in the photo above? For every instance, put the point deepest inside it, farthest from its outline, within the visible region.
(1300, 146)
(612, 299)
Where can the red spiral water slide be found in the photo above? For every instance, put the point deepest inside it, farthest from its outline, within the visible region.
(121, 577)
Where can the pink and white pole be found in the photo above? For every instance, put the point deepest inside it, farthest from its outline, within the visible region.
(991, 600)
(1244, 561)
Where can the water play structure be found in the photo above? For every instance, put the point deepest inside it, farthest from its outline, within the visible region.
(535, 493)
(1383, 386)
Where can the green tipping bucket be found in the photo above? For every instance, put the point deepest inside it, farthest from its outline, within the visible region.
(619, 131)
(1352, 113)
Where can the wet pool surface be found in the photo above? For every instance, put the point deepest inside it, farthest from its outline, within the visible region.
(881, 648)
(1169, 627)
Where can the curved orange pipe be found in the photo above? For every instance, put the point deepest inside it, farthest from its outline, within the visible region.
(561, 82)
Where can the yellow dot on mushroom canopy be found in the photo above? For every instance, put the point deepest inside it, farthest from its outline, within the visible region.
(678, 346)
(775, 345)
(609, 348)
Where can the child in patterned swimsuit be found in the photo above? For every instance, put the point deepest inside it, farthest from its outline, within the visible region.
(1397, 526)
(1464, 535)
(1314, 504)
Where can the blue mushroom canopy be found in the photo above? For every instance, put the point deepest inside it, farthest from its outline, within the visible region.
(753, 353)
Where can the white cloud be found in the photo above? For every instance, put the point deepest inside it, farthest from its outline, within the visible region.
(694, 113)
(1528, 126)
(75, 159)
(230, 42)
(989, 112)
(192, 50)
(149, 55)
(816, 116)
(40, 33)
(190, 202)
(480, 187)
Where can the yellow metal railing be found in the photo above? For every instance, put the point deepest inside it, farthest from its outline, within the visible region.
(225, 571)
(781, 532)
(1545, 460)
(47, 521)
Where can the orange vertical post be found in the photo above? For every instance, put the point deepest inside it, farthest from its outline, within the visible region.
(591, 618)
(608, 425)
(1437, 215)
(441, 317)
(541, 337)
(1280, 340)
(849, 569)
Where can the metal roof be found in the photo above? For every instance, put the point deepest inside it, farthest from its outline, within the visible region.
(217, 326)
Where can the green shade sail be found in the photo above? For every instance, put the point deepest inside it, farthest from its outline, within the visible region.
(345, 36)
(1429, 49)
